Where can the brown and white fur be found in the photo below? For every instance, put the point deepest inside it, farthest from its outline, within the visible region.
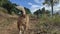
(23, 21)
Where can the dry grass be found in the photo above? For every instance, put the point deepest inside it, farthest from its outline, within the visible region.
(44, 25)
(8, 23)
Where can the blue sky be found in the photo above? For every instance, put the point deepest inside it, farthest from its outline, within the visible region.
(31, 4)
(25, 3)
(34, 5)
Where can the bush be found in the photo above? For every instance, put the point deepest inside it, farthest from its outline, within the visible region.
(49, 25)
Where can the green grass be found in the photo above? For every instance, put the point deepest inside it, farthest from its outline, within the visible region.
(49, 25)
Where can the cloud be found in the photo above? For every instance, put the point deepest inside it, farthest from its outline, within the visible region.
(57, 8)
(39, 1)
(30, 3)
(35, 7)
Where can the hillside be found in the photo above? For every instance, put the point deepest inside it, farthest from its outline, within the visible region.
(43, 25)
(8, 23)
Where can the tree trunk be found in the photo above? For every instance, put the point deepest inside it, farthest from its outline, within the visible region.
(52, 7)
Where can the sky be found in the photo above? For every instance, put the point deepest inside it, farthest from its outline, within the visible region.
(34, 5)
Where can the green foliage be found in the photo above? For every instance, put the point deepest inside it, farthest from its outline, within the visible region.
(3, 2)
(49, 25)
(8, 6)
(38, 12)
(50, 2)
(42, 12)
(12, 7)
(16, 11)
(47, 12)
(57, 13)
(27, 10)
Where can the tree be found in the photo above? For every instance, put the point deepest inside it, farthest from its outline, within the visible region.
(10, 7)
(43, 10)
(57, 13)
(51, 3)
(6, 4)
(47, 12)
(38, 12)
(3, 2)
